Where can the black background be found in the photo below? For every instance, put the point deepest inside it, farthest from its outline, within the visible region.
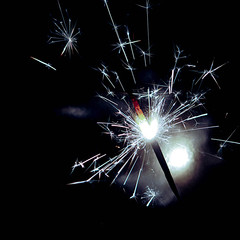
(49, 143)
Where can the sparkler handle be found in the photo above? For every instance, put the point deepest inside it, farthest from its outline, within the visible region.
(163, 164)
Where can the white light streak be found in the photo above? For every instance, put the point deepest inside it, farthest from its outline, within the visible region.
(116, 31)
(175, 71)
(48, 65)
(127, 66)
(224, 141)
(104, 72)
(147, 6)
(210, 72)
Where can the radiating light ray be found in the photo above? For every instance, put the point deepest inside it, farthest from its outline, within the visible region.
(224, 142)
(48, 65)
(137, 181)
(122, 45)
(104, 72)
(210, 72)
(147, 6)
(82, 164)
(116, 30)
(127, 66)
(196, 129)
(118, 80)
(144, 54)
(175, 70)
(130, 42)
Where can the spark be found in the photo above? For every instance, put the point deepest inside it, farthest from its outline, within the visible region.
(147, 6)
(211, 71)
(104, 72)
(138, 177)
(127, 66)
(48, 65)
(66, 32)
(122, 45)
(149, 195)
(175, 71)
(226, 141)
(130, 42)
(93, 159)
(118, 79)
(144, 54)
(116, 31)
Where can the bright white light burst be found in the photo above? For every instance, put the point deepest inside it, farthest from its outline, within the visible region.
(149, 130)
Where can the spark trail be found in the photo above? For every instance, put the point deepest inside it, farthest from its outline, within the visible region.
(48, 65)
(210, 72)
(147, 6)
(116, 31)
(224, 142)
(120, 44)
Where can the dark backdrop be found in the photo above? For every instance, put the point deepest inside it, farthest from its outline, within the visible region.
(205, 30)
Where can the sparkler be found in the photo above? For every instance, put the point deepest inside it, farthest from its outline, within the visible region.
(136, 132)
(145, 119)
(164, 111)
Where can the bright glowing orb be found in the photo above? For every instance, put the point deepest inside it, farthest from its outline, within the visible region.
(149, 130)
(179, 157)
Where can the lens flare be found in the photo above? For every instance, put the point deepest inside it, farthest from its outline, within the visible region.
(179, 157)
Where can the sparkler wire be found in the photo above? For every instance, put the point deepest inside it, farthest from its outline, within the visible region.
(165, 168)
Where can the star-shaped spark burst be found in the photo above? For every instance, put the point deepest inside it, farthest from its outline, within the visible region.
(210, 72)
(65, 32)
